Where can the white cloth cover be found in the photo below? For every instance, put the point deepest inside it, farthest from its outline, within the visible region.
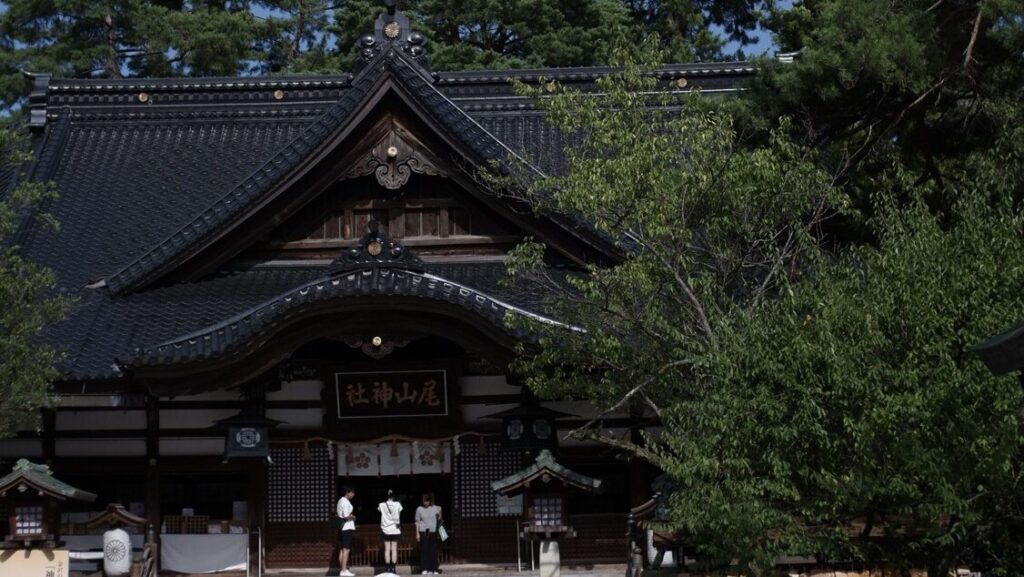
(431, 458)
(117, 553)
(364, 461)
(204, 553)
(398, 464)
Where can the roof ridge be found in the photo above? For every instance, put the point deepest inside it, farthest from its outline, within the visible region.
(90, 85)
(251, 186)
(585, 73)
(416, 81)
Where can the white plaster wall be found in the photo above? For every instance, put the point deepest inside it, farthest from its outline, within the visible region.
(297, 418)
(100, 420)
(193, 418)
(307, 390)
(18, 448)
(221, 395)
(192, 446)
(473, 413)
(100, 447)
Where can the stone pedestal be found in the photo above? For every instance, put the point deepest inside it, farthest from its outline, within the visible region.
(550, 559)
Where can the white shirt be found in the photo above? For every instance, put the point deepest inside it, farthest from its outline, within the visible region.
(344, 510)
(390, 511)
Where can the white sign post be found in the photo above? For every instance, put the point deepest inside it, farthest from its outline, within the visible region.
(34, 563)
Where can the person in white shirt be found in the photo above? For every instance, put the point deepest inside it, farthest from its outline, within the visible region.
(391, 529)
(348, 529)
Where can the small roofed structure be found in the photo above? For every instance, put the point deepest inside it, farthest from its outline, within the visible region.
(1003, 353)
(33, 495)
(544, 485)
(115, 516)
(545, 469)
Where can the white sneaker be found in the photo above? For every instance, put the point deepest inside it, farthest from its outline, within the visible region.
(346, 573)
(425, 573)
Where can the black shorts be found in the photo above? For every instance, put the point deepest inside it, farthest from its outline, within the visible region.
(345, 539)
(389, 538)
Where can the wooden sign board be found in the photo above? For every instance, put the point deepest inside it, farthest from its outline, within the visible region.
(34, 563)
(374, 394)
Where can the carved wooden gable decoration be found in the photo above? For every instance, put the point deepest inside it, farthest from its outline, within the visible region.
(394, 158)
(396, 179)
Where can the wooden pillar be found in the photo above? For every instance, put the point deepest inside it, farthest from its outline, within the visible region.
(257, 499)
(49, 436)
(639, 479)
(257, 493)
(153, 461)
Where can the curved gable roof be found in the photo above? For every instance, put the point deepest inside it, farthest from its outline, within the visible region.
(256, 187)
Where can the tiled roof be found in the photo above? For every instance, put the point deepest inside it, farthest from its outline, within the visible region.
(226, 209)
(235, 333)
(545, 468)
(130, 328)
(26, 475)
(144, 167)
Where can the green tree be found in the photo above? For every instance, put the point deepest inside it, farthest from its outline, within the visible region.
(295, 37)
(28, 304)
(697, 30)
(926, 80)
(817, 399)
(468, 34)
(115, 38)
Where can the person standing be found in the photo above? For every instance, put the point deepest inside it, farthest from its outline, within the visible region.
(428, 515)
(391, 530)
(347, 531)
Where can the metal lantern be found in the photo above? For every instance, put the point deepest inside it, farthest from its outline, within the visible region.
(247, 435)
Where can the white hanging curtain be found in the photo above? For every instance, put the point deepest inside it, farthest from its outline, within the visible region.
(395, 458)
(358, 460)
(432, 457)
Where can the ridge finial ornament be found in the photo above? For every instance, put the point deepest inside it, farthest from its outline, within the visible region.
(374, 250)
(392, 33)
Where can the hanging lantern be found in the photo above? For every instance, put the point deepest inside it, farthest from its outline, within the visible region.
(247, 434)
(529, 426)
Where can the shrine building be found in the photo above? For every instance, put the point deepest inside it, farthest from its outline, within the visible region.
(308, 268)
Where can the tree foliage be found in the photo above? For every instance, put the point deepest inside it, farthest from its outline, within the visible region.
(818, 397)
(28, 304)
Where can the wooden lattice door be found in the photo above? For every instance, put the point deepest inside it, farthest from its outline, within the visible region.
(300, 501)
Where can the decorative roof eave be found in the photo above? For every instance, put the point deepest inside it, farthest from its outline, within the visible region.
(375, 267)
(545, 469)
(1004, 352)
(114, 515)
(26, 476)
(224, 337)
